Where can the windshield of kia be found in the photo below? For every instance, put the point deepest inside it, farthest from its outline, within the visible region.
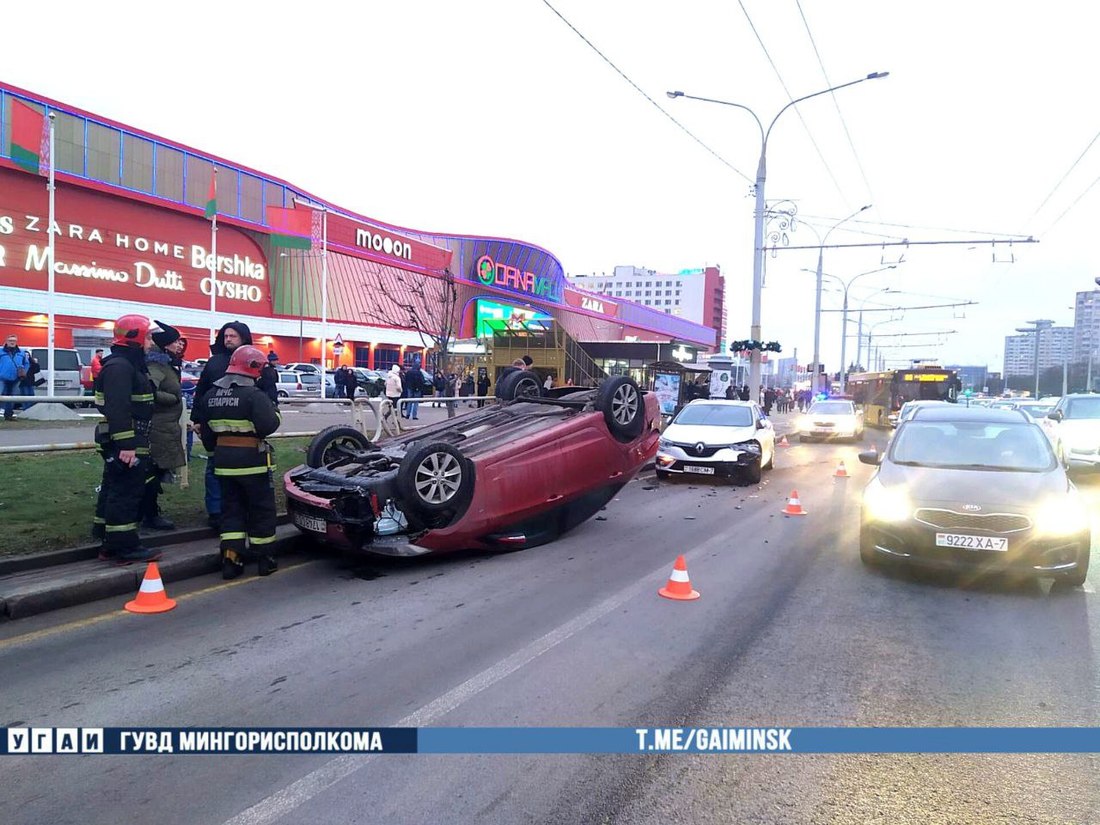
(715, 415)
(972, 445)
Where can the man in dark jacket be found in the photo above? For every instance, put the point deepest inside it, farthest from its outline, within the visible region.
(124, 397)
(232, 335)
(235, 417)
(162, 358)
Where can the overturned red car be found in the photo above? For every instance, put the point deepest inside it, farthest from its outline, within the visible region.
(511, 475)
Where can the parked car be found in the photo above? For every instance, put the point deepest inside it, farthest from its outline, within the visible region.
(833, 418)
(70, 371)
(974, 488)
(303, 367)
(311, 383)
(1076, 430)
(371, 382)
(717, 438)
(290, 385)
(504, 477)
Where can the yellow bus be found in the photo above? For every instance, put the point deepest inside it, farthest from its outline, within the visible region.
(881, 394)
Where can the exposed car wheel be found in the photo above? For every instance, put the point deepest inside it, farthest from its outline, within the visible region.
(334, 443)
(802, 439)
(620, 401)
(435, 478)
(752, 472)
(283, 394)
(518, 384)
(662, 475)
(1078, 576)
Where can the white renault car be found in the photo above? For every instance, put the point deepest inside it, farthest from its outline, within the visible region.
(835, 418)
(1075, 433)
(717, 438)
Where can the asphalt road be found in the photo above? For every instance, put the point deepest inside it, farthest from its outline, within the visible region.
(790, 630)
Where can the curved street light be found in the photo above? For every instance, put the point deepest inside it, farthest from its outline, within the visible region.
(761, 175)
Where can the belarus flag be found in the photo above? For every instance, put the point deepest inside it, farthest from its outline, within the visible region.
(30, 139)
(293, 228)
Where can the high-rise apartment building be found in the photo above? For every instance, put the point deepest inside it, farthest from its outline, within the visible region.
(1055, 347)
(1086, 325)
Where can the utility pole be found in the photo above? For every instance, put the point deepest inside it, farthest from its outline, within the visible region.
(1037, 328)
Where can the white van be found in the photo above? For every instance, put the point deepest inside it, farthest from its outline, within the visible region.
(69, 365)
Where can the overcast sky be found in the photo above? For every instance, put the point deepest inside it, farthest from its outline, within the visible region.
(494, 117)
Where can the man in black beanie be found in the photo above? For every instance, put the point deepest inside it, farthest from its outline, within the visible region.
(162, 358)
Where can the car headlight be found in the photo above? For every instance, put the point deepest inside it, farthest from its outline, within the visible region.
(663, 443)
(747, 447)
(884, 503)
(1062, 516)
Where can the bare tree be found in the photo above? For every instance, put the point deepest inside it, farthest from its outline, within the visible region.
(426, 304)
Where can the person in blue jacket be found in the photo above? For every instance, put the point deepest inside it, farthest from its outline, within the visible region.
(14, 367)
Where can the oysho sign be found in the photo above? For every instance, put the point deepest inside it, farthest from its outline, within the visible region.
(490, 273)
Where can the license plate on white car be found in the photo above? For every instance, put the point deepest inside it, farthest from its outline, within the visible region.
(312, 523)
(694, 468)
(964, 542)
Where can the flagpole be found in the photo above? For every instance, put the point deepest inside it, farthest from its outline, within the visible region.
(324, 297)
(214, 260)
(50, 328)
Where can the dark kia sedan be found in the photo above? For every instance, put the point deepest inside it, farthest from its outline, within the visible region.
(974, 488)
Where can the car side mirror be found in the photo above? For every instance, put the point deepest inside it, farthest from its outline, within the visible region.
(762, 423)
(871, 457)
(1055, 416)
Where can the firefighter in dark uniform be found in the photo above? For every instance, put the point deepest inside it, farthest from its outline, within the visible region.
(124, 397)
(235, 417)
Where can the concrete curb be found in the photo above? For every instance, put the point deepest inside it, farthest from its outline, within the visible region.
(34, 591)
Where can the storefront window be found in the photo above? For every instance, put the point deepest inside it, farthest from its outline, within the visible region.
(385, 358)
(68, 138)
(362, 357)
(137, 163)
(169, 164)
(196, 178)
(104, 153)
(252, 206)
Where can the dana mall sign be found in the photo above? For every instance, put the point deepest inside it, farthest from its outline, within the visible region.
(514, 279)
(106, 247)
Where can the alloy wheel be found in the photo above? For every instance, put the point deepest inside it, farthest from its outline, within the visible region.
(438, 478)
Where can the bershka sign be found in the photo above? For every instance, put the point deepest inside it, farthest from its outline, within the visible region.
(491, 273)
(109, 247)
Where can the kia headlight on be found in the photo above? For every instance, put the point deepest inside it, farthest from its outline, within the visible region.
(1062, 516)
(883, 503)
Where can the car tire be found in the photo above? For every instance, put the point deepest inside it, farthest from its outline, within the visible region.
(1078, 576)
(336, 442)
(623, 408)
(867, 553)
(802, 439)
(752, 472)
(663, 475)
(519, 384)
(435, 479)
(283, 394)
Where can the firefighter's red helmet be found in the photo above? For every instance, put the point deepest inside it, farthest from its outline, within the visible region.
(131, 330)
(248, 361)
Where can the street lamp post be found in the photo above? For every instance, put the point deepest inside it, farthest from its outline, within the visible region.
(758, 233)
(1037, 327)
(821, 241)
(859, 327)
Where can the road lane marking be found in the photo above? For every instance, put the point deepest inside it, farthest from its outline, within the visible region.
(285, 800)
(114, 614)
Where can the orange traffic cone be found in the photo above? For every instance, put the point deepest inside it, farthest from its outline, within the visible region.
(841, 472)
(151, 597)
(783, 442)
(794, 506)
(679, 585)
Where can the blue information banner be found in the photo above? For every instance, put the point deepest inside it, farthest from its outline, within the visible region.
(696, 740)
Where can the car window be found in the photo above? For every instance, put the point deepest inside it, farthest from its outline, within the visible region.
(1083, 408)
(67, 359)
(310, 378)
(972, 445)
(1036, 410)
(832, 408)
(715, 415)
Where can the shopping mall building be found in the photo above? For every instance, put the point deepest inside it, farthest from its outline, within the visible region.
(131, 236)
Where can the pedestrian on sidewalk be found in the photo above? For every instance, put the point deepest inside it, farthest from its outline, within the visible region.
(29, 382)
(483, 384)
(414, 383)
(162, 357)
(235, 417)
(124, 397)
(394, 386)
(14, 364)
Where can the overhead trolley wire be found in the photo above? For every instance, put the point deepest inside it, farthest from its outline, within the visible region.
(836, 103)
(640, 91)
(790, 97)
